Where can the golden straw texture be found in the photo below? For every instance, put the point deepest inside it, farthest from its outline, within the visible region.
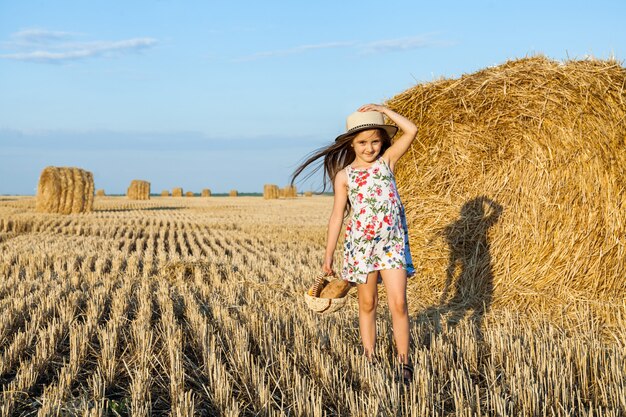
(139, 190)
(514, 188)
(64, 190)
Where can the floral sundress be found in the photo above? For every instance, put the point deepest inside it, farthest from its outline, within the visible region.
(376, 235)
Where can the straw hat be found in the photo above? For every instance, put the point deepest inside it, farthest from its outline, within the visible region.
(364, 120)
(327, 296)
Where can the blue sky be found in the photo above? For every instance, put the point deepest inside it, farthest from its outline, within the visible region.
(222, 95)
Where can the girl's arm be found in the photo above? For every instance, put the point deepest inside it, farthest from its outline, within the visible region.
(336, 219)
(403, 143)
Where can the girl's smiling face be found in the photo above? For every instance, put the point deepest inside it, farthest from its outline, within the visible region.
(367, 145)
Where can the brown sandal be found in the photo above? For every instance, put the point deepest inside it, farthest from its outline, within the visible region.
(406, 374)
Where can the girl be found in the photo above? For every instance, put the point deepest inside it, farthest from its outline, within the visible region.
(360, 165)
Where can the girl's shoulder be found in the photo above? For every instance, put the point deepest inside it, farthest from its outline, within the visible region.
(341, 178)
(384, 159)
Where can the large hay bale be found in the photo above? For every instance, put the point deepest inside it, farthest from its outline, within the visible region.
(177, 192)
(165, 193)
(100, 193)
(308, 193)
(189, 194)
(138, 190)
(271, 191)
(65, 190)
(233, 193)
(514, 189)
(206, 192)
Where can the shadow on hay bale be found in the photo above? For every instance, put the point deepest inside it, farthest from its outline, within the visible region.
(544, 142)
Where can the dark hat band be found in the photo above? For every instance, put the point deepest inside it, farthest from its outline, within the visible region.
(365, 125)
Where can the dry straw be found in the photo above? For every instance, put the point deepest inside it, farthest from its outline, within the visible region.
(308, 193)
(233, 193)
(271, 191)
(514, 189)
(189, 194)
(100, 193)
(138, 190)
(206, 192)
(65, 190)
(165, 193)
(177, 192)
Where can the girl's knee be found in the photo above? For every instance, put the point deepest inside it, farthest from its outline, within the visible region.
(398, 306)
(368, 304)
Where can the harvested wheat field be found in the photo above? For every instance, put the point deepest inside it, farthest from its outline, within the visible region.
(194, 307)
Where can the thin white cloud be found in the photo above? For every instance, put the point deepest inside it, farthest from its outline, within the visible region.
(296, 50)
(45, 46)
(40, 36)
(401, 44)
(363, 48)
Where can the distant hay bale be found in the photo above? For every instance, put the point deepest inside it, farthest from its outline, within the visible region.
(65, 190)
(138, 190)
(233, 193)
(100, 193)
(289, 191)
(206, 192)
(177, 192)
(271, 191)
(515, 187)
(308, 193)
(165, 193)
(189, 194)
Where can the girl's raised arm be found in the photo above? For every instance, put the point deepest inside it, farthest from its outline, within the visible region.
(403, 143)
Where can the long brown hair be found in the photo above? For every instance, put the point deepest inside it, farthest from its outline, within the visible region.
(336, 156)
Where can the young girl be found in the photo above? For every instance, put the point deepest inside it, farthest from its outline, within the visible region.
(360, 165)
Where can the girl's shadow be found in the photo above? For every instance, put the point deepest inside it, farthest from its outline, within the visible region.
(469, 277)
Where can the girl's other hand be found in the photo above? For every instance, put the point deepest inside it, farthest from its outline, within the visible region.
(328, 267)
(372, 107)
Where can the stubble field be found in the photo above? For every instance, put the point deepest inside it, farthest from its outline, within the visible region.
(193, 306)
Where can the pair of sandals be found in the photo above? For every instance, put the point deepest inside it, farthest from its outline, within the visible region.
(405, 374)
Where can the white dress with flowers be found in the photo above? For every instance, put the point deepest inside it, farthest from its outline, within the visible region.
(376, 235)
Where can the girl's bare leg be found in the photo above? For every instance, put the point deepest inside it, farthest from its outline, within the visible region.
(368, 301)
(395, 283)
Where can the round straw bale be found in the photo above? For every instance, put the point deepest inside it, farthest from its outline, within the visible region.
(233, 193)
(308, 193)
(138, 190)
(177, 192)
(165, 193)
(189, 194)
(55, 196)
(289, 191)
(100, 193)
(206, 192)
(270, 191)
(514, 188)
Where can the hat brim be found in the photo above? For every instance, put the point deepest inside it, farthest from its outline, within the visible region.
(391, 130)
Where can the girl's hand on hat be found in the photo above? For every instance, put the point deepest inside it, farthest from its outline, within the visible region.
(372, 107)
